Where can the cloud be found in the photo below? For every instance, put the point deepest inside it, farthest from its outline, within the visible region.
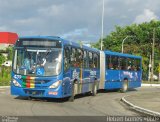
(73, 19)
(146, 16)
(3, 28)
(81, 33)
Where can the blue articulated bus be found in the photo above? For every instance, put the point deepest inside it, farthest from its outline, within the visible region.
(120, 71)
(49, 66)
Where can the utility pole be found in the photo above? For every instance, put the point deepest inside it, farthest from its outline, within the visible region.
(123, 42)
(102, 26)
(149, 71)
(153, 45)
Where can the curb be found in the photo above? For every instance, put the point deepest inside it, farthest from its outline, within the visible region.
(4, 87)
(150, 85)
(140, 109)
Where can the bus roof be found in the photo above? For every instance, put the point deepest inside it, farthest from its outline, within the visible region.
(42, 37)
(65, 42)
(80, 45)
(122, 54)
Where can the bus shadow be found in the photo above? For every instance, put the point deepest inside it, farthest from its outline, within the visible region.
(132, 89)
(107, 91)
(78, 96)
(57, 100)
(115, 90)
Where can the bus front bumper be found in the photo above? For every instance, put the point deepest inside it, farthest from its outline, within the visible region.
(33, 92)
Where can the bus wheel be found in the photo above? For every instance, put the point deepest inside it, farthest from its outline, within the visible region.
(30, 98)
(94, 90)
(124, 86)
(71, 98)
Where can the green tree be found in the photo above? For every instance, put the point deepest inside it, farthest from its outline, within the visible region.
(140, 42)
(2, 59)
(10, 52)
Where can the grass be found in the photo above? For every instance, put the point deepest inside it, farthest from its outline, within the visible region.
(5, 76)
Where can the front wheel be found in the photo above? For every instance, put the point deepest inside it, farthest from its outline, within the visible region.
(94, 89)
(124, 86)
(71, 98)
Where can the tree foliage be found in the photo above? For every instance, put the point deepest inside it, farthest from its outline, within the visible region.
(2, 59)
(10, 52)
(139, 41)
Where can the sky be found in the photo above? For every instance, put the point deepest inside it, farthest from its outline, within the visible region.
(76, 20)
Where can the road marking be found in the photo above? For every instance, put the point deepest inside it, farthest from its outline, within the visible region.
(140, 109)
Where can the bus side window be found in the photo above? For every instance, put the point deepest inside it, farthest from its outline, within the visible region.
(98, 61)
(66, 58)
(124, 67)
(95, 60)
(115, 62)
(138, 64)
(77, 60)
(79, 57)
(119, 63)
(109, 62)
(90, 60)
(128, 64)
(133, 64)
(85, 59)
(73, 54)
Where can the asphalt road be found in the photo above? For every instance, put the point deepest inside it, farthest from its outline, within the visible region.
(106, 103)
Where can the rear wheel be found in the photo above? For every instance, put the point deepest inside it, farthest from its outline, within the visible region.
(94, 89)
(124, 86)
(29, 98)
(71, 98)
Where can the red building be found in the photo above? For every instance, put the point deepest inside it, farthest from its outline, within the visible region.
(8, 37)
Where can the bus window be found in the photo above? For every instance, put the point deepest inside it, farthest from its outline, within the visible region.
(138, 64)
(73, 54)
(129, 64)
(85, 59)
(90, 60)
(79, 57)
(109, 62)
(115, 62)
(95, 60)
(119, 63)
(133, 64)
(66, 58)
(98, 61)
(123, 65)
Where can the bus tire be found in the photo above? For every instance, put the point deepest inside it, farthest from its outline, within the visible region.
(29, 98)
(94, 89)
(71, 98)
(124, 86)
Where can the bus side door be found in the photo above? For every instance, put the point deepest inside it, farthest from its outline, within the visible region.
(66, 89)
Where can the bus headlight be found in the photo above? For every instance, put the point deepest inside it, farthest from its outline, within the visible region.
(16, 83)
(55, 84)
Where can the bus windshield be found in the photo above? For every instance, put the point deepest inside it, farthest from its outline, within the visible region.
(32, 62)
